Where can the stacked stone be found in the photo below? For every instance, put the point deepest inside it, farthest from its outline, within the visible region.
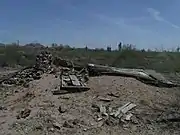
(23, 77)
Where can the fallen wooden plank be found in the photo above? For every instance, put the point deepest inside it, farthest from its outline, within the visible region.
(63, 83)
(81, 71)
(127, 108)
(69, 89)
(105, 99)
(74, 88)
(66, 79)
(119, 109)
(74, 80)
(59, 92)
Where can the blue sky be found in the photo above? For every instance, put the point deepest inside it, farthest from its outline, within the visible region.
(96, 23)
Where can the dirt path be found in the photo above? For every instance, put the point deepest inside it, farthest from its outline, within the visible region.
(77, 116)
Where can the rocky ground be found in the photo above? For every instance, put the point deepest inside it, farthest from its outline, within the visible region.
(36, 111)
(28, 106)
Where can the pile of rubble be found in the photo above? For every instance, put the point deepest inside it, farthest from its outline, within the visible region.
(71, 78)
(45, 63)
(24, 76)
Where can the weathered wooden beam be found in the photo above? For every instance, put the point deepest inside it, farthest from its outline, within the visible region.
(81, 88)
(70, 89)
(127, 108)
(74, 80)
(119, 110)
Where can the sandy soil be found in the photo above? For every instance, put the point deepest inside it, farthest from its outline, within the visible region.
(79, 117)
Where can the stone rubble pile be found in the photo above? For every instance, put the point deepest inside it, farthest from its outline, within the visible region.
(23, 77)
(44, 61)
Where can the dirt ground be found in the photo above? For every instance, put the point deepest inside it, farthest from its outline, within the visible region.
(74, 114)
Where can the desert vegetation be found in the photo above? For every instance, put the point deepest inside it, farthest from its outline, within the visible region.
(13, 55)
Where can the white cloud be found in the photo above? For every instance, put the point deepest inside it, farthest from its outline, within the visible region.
(123, 23)
(156, 15)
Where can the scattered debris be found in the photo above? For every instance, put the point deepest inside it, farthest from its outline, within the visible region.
(67, 125)
(57, 125)
(123, 109)
(51, 129)
(73, 80)
(134, 120)
(96, 107)
(24, 113)
(61, 109)
(105, 99)
(111, 121)
(100, 124)
(99, 119)
(62, 97)
(172, 117)
(113, 94)
(128, 117)
(127, 108)
(3, 108)
(103, 110)
(115, 115)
